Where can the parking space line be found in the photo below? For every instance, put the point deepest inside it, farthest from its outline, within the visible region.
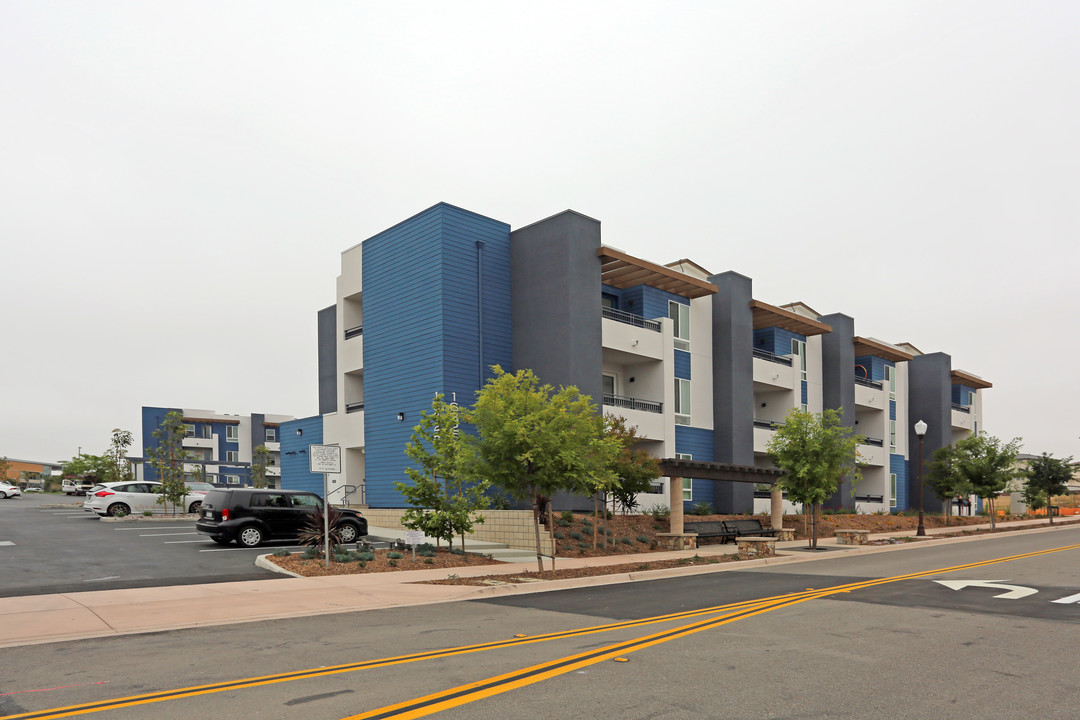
(178, 527)
(258, 549)
(178, 542)
(6, 542)
(167, 534)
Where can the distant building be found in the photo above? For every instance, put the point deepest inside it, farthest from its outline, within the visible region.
(30, 472)
(702, 369)
(222, 444)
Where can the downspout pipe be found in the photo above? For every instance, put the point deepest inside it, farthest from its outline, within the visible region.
(480, 312)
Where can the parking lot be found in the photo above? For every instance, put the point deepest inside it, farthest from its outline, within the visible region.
(49, 544)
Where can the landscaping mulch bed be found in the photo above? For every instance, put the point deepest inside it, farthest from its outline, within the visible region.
(316, 567)
(594, 571)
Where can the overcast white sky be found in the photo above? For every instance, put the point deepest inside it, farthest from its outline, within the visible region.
(177, 180)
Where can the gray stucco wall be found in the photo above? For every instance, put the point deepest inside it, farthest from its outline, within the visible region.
(838, 385)
(328, 360)
(555, 275)
(733, 386)
(929, 400)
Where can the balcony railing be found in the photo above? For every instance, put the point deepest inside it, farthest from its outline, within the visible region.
(876, 442)
(629, 403)
(631, 319)
(772, 357)
(876, 384)
(870, 498)
(768, 424)
(354, 332)
(961, 408)
(354, 407)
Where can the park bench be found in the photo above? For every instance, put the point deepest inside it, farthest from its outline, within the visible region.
(710, 529)
(748, 528)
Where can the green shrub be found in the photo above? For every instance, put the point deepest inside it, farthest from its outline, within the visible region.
(586, 522)
(310, 554)
(426, 552)
(362, 564)
(577, 536)
(559, 535)
(583, 546)
(394, 555)
(429, 561)
(643, 539)
(658, 511)
(702, 508)
(457, 551)
(425, 548)
(343, 557)
(282, 553)
(563, 523)
(625, 541)
(148, 513)
(392, 563)
(365, 557)
(567, 516)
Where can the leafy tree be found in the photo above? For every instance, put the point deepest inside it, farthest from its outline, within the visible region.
(95, 468)
(941, 477)
(633, 469)
(534, 442)
(168, 456)
(259, 462)
(119, 468)
(982, 462)
(5, 468)
(815, 452)
(444, 501)
(1047, 476)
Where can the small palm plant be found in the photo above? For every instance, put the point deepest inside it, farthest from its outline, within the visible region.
(312, 533)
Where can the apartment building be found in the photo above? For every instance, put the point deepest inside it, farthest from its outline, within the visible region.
(701, 367)
(223, 445)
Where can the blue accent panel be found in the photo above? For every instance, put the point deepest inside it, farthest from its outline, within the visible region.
(898, 464)
(892, 409)
(962, 394)
(874, 366)
(422, 322)
(152, 417)
(648, 301)
(616, 295)
(682, 364)
(295, 474)
(805, 393)
(776, 340)
(698, 443)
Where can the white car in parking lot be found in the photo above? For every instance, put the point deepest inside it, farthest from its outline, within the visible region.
(126, 498)
(8, 490)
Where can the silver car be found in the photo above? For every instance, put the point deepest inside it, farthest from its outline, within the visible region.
(8, 490)
(126, 498)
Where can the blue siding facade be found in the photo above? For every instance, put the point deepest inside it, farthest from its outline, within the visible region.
(898, 464)
(874, 367)
(962, 394)
(648, 301)
(152, 417)
(433, 286)
(776, 340)
(698, 443)
(682, 364)
(295, 474)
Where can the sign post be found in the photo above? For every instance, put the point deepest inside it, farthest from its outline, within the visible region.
(325, 459)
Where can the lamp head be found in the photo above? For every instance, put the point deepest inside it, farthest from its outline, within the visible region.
(920, 428)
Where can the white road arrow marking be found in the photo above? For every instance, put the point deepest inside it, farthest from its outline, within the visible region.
(1013, 592)
(1072, 599)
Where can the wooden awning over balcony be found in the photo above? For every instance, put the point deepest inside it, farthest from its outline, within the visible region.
(620, 270)
(866, 346)
(766, 315)
(701, 470)
(959, 377)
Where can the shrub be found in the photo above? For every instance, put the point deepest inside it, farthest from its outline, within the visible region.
(394, 555)
(310, 554)
(147, 513)
(559, 535)
(282, 553)
(425, 547)
(429, 561)
(362, 564)
(563, 523)
(426, 552)
(343, 557)
(625, 541)
(702, 508)
(583, 546)
(658, 511)
(643, 538)
(567, 516)
(457, 551)
(365, 557)
(392, 563)
(577, 536)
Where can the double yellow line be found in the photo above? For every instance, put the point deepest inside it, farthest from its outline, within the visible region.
(502, 683)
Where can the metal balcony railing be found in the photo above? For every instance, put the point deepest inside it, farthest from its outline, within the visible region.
(354, 407)
(961, 408)
(629, 403)
(768, 424)
(868, 383)
(876, 442)
(354, 332)
(772, 357)
(631, 319)
(870, 498)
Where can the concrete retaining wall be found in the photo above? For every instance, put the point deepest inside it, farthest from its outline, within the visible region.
(515, 528)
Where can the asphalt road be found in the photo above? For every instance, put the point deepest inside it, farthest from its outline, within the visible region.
(851, 636)
(49, 544)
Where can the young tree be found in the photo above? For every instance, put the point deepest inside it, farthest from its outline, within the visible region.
(533, 441)
(259, 462)
(5, 468)
(815, 452)
(119, 468)
(943, 479)
(984, 463)
(444, 500)
(168, 457)
(632, 470)
(95, 468)
(1047, 476)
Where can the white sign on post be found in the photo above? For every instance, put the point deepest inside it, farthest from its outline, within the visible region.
(324, 459)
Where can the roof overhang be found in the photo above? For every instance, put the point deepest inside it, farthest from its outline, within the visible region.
(866, 346)
(959, 377)
(766, 315)
(622, 271)
(701, 470)
(223, 421)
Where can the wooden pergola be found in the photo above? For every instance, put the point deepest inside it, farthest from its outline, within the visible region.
(726, 472)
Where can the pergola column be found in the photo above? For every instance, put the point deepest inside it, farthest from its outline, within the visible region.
(776, 514)
(676, 506)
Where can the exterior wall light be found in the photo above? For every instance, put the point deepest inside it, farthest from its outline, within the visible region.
(401, 416)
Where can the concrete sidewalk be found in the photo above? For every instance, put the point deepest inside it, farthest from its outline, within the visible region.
(71, 616)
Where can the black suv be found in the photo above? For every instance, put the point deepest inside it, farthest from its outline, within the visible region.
(251, 517)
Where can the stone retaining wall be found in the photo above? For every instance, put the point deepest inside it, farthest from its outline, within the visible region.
(515, 528)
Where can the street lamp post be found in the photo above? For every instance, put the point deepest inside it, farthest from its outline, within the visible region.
(920, 430)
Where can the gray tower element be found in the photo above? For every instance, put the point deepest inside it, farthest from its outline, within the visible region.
(838, 385)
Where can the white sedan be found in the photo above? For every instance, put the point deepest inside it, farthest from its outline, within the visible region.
(8, 490)
(126, 498)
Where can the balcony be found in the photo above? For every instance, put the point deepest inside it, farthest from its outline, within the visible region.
(354, 407)
(961, 408)
(772, 357)
(876, 384)
(962, 418)
(645, 415)
(630, 319)
(869, 394)
(351, 351)
(352, 332)
(771, 372)
(763, 433)
(629, 403)
(872, 455)
(198, 442)
(273, 446)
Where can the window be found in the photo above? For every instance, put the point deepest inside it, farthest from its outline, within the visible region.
(680, 316)
(310, 501)
(232, 433)
(892, 436)
(892, 489)
(204, 432)
(687, 483)
(682, 401)
(890, 380)
(232, 479)
(232, 456)
(798, 349)
(609, 383)
(189, 430)
(271, 434)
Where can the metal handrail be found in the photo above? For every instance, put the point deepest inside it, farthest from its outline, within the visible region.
(772, 357)
(354, 332)
(870, 498)
(346, 491)
(961, 408)
(630, 403)
(631, 319)
(876, 384)
(876, 442)
(354, 407)
(768, 424)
